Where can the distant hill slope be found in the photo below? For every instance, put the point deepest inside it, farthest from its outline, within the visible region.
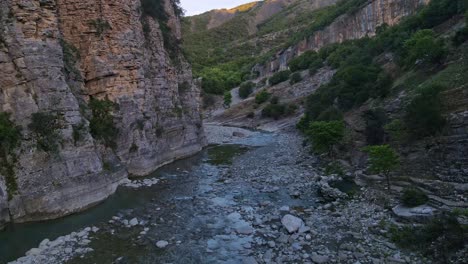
(231, 40)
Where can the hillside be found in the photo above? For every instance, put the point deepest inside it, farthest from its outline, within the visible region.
(401, 89)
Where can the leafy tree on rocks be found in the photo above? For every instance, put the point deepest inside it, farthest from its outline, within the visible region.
(325, 135)
(383, 159)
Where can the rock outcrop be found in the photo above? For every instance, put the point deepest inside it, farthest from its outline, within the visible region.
(56, 56)
(355, 25)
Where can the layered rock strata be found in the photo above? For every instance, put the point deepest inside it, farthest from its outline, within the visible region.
(355, 25)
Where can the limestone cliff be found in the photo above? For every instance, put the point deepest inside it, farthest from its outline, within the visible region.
(57, 57)
(355, 25)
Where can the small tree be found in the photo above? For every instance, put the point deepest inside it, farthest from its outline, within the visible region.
(383, 159)
(227, 99)
(325, 135)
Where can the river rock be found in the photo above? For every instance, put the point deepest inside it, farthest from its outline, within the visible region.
(162, 244)
(292, 223)
(133, 222)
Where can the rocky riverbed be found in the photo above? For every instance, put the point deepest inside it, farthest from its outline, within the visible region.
(256, 198)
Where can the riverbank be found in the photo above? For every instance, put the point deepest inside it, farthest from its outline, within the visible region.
(254, 198)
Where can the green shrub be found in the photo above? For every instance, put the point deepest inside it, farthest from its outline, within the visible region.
(9, 141)
(325, 135)
(291, 109)
(279, 77)
(274, 111)
(227, 99)
(79, 132)
(9, 135)
(423, 116)
(438, 239)
(102, 123)
(251, 115)
(305, 61)
(425, 48)
(274, 100)
(262, 97)
(246, 89)
(413, 197)
(330, 114)
(100, 25)
(46, 128)
(295, 78)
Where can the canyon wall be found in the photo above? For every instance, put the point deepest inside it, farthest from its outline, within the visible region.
(56, 58)
(356, 25)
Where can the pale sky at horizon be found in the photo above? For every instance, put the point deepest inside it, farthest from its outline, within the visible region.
(195, 7)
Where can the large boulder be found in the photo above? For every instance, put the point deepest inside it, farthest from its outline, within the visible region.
(292, 223)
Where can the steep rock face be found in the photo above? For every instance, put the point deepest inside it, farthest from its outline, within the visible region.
(363, 22)
(57, 55)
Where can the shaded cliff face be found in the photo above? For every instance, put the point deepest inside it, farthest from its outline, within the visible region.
(356, 25)
(56, 56)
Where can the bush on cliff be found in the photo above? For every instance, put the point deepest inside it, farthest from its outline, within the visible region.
(279, 77)
(9, 141)
(102, 123)
(46, 127)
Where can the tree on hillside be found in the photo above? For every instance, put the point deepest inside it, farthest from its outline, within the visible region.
(423, 116)
(325, 135)
(383, 159)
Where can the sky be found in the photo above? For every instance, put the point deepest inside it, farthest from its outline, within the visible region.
(195, 7)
